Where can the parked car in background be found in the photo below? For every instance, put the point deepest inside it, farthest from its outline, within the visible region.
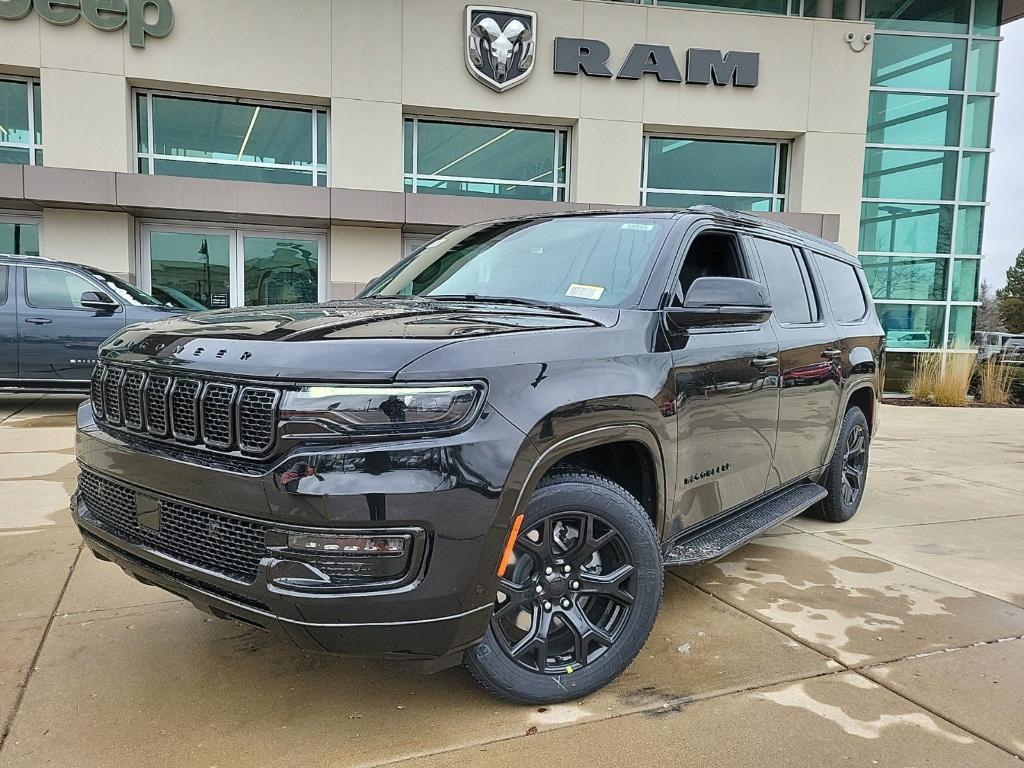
(991, 344)
(491, 455)
(1013, 351)
(54, 316)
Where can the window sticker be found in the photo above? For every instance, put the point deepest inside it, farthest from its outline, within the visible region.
(637, 227)
(592, 292)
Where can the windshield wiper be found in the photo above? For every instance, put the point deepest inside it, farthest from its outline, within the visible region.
(502, 300)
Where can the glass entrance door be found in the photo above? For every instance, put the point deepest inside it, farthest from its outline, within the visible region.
(214, 268)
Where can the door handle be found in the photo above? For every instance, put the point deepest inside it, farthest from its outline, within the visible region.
(38, 320)
(764, 362)
(831, 353)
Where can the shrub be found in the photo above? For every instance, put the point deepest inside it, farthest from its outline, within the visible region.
(942, 381)
(994, 383)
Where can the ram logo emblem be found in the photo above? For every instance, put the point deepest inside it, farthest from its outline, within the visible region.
(501, 44)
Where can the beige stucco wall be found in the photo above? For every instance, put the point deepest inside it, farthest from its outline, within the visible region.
(101, 239)
(372, 62)
(359, 254)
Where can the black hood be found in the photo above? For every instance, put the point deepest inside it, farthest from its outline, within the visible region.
(361, 339)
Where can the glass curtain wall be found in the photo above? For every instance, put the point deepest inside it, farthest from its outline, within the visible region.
(742, 175)
(231, 139)
(21, 121)
(823, 9)
(925, 167)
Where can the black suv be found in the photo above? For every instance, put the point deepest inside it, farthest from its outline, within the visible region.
(494, 452)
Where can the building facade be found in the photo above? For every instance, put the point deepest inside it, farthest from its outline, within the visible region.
(249, 152)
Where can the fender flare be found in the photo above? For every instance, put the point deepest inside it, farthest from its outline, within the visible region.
(611, 433)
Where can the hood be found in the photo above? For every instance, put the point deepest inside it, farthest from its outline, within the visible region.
(368, 339)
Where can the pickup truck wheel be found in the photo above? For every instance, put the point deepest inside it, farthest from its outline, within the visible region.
(848, 470)
(579, 596)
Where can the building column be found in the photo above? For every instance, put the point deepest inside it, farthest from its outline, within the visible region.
(607, 161)
(86, 120)
(367, 145)
(359, 254)
(101, 239)
(826, 176)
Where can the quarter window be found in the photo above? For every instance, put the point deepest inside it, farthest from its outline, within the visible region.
(55, 288)
(842, 286)
(21, 122)
(742, 175)
(231, 139)
(786, 282)
(451, 158)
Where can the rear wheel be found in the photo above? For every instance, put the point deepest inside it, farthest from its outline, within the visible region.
(848, 470)
(579, 597)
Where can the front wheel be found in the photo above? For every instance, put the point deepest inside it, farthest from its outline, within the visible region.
(579, 596)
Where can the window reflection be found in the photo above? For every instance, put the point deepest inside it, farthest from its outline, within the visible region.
(280, 271)
(194, 266)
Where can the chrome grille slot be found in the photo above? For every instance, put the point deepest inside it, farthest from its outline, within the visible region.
(184, 410)
(257, 416)
(217, 415)
(155, 399)
(134, 381)
(112, 403)
(96, 389)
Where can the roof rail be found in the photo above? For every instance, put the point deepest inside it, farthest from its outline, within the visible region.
(25, 257)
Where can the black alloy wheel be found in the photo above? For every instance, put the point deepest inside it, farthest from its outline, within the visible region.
(578, 597)
(847, 472)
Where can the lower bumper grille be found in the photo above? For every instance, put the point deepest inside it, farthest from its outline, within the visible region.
(218, 543)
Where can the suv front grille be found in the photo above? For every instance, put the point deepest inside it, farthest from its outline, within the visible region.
(219, 543)
(192, 412)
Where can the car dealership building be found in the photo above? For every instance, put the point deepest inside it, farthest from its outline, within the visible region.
(245, 152)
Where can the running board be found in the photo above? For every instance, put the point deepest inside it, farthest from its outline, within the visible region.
(719, 539)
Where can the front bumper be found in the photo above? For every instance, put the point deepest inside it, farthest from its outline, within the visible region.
(448, 489)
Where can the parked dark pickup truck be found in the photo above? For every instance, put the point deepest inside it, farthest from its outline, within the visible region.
(53, 318)
(492, 454)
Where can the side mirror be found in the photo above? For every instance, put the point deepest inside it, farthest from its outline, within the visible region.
(715, 301)
(98, 301)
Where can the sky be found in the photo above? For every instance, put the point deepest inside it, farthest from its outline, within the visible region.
(1004, 219)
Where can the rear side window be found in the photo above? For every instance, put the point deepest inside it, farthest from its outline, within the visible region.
(3, 285)
(786, 282)
(842, 286)
(55, 288)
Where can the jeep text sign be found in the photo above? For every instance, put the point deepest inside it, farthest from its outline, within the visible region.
(575, 55)
(152, 18)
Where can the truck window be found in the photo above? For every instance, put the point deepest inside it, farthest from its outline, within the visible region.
(55, 288)
(3, 285)
(786, 282)
(842, 286)
(712, 254)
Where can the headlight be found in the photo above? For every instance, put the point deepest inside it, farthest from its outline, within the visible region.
(384, 409)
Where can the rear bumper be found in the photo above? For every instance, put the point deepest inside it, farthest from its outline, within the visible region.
(448, 490)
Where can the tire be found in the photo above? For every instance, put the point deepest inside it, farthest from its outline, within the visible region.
(847, 471)
(536, 655)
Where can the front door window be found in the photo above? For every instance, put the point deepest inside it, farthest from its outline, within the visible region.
(217, 268)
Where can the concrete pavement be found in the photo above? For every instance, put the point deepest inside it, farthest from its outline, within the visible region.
(894, 639)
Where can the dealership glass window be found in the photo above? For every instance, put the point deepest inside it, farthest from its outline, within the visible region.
(920, 15)
(21, 123)
(906, 277)
(965, 279)
(906, 228)
(909, 174)
(219, 267)
(981, 72)
(978, 122)
(912, 326)
(986, 17)
(18, 237)
(914, 119)
(969, 223)
(904, 61)
(744, 175)
(454, 158)
(961, 326)
(231, 139)
(973, 176)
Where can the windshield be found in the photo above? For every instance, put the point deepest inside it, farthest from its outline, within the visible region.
(590, 260)
(126, 291)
